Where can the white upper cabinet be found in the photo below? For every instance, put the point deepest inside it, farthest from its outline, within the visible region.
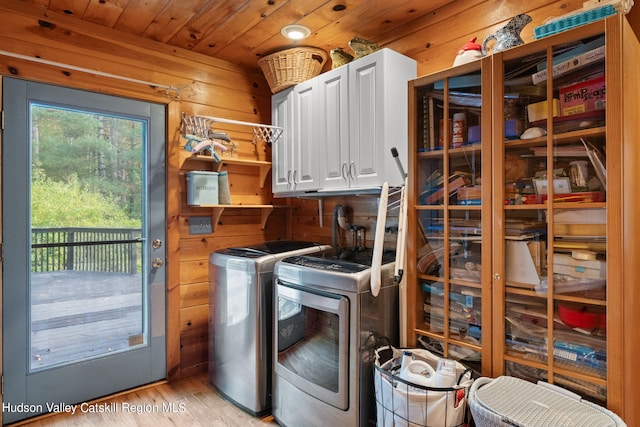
(305, 135)
(282, 150)
(378, 117)
(345, 123)
(334, 129)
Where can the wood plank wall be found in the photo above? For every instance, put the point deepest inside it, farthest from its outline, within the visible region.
(218, 88)
(212, 88)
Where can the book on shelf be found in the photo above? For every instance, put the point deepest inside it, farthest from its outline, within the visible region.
(571, 243)
(561, 151)
(434, 190)
(470, 192)
(568, 54)
(571, 64)
(583, 197)
(580, 216)
(582, 230)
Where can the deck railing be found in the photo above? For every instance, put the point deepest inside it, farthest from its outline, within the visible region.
(116, 250)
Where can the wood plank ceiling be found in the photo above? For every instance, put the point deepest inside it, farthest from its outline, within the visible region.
(241, 31)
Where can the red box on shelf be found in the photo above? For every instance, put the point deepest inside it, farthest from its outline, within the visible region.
(583, 97)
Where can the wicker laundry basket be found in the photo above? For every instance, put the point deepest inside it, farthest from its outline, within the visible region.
(509, 401)
(292, 66)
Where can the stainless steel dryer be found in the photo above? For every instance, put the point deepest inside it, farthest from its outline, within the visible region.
(240, 319)
(326, 324)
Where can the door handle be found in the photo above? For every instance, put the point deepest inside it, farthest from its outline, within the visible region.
(156, 244)
(157, 263)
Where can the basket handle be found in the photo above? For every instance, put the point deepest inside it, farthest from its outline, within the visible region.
(318, 58)
(383, 350)
(465, 372)
(479, 383)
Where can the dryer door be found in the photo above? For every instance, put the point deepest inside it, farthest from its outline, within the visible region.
(312, 342)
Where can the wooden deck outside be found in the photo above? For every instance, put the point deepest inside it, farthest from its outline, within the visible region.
(80, 314)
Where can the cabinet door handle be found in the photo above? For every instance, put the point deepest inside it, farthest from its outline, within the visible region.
(343, 171)
(295, 172)
(352, 170)
(289, 179)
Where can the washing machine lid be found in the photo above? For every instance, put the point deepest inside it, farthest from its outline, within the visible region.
(262, 257)
(326, 264)
(329, 273)
(268, 248)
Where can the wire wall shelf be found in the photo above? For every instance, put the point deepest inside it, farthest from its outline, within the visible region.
(201, 126)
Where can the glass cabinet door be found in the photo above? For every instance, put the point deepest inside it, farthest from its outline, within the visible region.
(551, 138)
(448, 216)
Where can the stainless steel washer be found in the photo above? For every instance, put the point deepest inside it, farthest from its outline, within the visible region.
(240, 320)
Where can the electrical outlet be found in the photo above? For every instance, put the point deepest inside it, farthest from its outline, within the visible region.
(200, 225)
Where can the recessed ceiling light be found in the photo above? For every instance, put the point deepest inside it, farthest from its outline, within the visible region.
(296, 32)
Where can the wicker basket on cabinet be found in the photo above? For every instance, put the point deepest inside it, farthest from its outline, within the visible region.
(289, 67)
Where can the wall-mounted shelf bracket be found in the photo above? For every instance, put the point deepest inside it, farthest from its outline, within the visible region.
(265, 212)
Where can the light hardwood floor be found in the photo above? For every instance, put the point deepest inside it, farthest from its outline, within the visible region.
(189, 402)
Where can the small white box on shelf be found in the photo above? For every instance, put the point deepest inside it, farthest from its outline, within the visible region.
(202, 188)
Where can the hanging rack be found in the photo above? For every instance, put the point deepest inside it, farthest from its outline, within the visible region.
(200, 126)
(396, 204)
(173, 93)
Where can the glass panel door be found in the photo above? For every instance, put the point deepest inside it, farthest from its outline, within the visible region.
(83, 232)
(555, 215)
(450, 202)
(86, 293)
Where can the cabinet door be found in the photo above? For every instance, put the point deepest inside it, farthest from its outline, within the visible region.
(306, 168)
(449, 267)
(551, 206)
(366, 119)
(282, 149)
(333, 123)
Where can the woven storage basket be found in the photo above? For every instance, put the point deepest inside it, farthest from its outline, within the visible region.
(292, 66)
(508, 401)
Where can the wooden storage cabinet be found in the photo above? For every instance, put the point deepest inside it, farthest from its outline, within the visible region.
(554, 255)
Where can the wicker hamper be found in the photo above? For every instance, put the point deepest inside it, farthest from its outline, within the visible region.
(292, 66)
(510, 401)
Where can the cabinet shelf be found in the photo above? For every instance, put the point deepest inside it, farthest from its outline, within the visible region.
(266, 210)
(461, 151)
(560, 138)
(593, 378)
(264, 166)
